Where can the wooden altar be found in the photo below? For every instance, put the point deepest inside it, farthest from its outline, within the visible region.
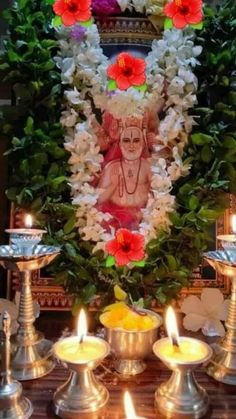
(142, 386)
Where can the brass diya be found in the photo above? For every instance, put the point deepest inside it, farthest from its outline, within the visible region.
(12, 403)
(82, 395)
(31, 352)
(222, 366)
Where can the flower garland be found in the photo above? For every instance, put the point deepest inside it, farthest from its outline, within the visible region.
(169, 82)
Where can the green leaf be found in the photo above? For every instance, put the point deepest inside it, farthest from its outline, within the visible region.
(70, 224)
(171, 261)
(110, 261)
(29, 128)
(168, 24)
(87, 24)
(111, 85)
(193, 202)
(56, 21)
(4, 66)
(57, 181)
(197, 25)
(141, 88)
(70, 249)
(139, 264)
(200, 138)
(206, 154)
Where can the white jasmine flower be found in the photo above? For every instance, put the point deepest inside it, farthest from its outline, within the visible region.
(206, 312)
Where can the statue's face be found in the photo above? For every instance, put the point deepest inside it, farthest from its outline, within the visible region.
(131, 143)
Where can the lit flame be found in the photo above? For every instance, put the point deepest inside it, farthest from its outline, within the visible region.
(129, 407)
(171, 326)
(233, 222)
(82, 327)
(28, 221)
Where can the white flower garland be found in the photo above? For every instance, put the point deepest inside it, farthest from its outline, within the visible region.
(83, 66)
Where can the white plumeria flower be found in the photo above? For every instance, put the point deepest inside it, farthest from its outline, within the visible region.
(206, 312)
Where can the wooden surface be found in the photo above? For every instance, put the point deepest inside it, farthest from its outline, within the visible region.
(142, 386)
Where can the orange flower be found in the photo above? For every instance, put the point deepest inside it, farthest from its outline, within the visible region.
(127, 71)
(126, 247)
(184, 12)
(72, 11)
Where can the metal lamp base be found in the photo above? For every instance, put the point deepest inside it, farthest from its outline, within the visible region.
(173, 404)
(33, 361)
(13, 404)
(129, 366)
(222, 366)
(81, 396)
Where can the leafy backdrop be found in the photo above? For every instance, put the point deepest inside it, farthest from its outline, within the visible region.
(39, 169)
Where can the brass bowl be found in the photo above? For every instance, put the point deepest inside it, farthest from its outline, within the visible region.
(130, 348)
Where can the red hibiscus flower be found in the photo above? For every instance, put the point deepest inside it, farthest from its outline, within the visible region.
(127, 71)
(72, 11)
(126, 247)
(184, 12)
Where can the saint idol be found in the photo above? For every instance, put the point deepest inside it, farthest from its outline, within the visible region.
(124, 183)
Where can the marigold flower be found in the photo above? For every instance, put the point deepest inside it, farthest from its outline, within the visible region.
(72, 11)
(184, 12)
(127, 71)
(126, 247)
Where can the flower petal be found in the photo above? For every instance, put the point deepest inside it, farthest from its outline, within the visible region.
(112, 247)
(193, 322)
(128, 59)
(59, 7)
(113, 71)
(192, 304)
(212, 299)
(136, 255)
(137, 79)
(123, 82)
(68, 18)
(82, 15)
(213, 327)
(170, 9)
(194, 18)
(179, 21)
(121, 258)
(84, 5)
(139, 66)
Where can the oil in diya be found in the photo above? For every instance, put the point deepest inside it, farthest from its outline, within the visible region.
(181, 397)
(82, 393)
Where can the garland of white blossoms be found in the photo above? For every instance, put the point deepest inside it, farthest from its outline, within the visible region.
(84, 68)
